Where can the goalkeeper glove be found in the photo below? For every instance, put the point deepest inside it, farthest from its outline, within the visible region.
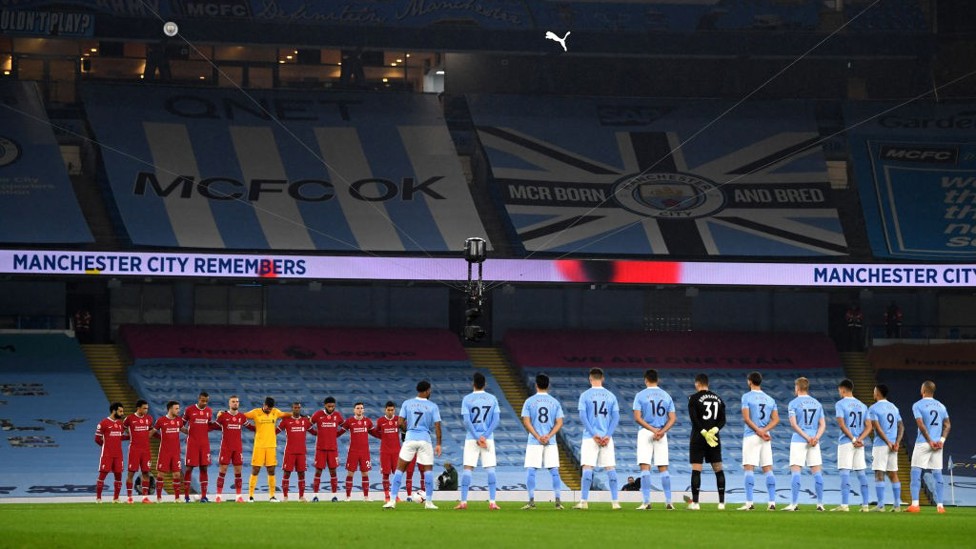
(710, 438)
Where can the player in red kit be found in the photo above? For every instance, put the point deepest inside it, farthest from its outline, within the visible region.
(108, 435)
(197, 419)
(168, 429)
(388, 431)
(325, 426)
(296, 426)
(358, 427)
(138, 426)
(231, 423)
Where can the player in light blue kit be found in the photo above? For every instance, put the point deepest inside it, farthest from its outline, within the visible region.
(418, 416)
(542, 416)
(852, 418)
(807, 420)
(888, 431)
(480, 413)
(932, 419)
(760, 416)
(654, 413)
(600, 414)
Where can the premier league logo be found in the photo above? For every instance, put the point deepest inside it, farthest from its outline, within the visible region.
(669, 195)
(9, 151)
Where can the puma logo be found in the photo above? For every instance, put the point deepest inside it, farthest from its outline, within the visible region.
(562, 41)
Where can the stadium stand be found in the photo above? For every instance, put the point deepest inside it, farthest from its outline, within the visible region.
(376, 366)
(50, 404)
(567, 356)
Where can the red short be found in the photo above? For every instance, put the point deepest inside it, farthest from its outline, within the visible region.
(295, 462)
(139, 459)
(230, 457)
(389, 461)
(169, 463)
(359, 460)
(326, 459)
(197, 454)
(110, 464)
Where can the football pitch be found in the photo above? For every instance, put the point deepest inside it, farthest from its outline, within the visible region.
(410, 525)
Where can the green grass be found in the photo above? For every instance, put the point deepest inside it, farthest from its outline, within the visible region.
(367, 525)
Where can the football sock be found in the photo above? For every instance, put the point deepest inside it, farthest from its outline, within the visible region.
(492, 483)
(896, 492)
(879, 487)
(238, 483)
(128, 488)
(118, 485)
(204, 481)
(271, 486)
(863, 481)
(159, 488)
(695, 485)
(845, 486)
(818, 486)
(916, 483)
(386, 484)
(334, 482)
(557, 483)
(251, 484)
(410, 482)
(720, 483)
(465, 484)
(285, 481)
(794, 488)
(100, 485)
(429, 484)
(939, 486)
(364, 477)
(145, 483)
(645, 487)
(316, 482)
(395, 484)
(750, 481)
(612, 481)
(177, 485)
(771, 486)
(586, 482)
(301, 485)
(348, 487)
(530, 482)
(666, 484)
(423, 481)
(220, 482)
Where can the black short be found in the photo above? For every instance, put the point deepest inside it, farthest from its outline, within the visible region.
(699, 451)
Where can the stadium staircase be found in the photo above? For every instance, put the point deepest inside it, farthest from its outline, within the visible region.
(859, 370)
(509, 381)
(108, 363)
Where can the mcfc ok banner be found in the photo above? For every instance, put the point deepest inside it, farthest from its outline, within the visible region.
(211, 168)
(652, 177)
(915, 169)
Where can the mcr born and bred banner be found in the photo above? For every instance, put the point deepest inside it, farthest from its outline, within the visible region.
(224, 169)
(678, 178)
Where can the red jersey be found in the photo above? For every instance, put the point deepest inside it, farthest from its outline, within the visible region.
(326, 429)
(231, 425)
(388, 431)
(198, 424)
(108, 435)
(169, 434)
(296, 428)
(358, 433)
(138, 428)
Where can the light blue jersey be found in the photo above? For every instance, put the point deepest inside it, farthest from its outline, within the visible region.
(887, 416)
(808, 413)
(932, 413)
(599, 412)
(543, 410)
(854, 414)
(480, 413)
(761, 407)
(420, 416)
(654, 404)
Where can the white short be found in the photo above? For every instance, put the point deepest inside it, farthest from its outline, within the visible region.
(538, 456)
(883, 459)
(804, 455)
(851, 458)
(756, 451)
(649, 450)
(420, 448)
(472, 452)
(594, 455)
(924, 457)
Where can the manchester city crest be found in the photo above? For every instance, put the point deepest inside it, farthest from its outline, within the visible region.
(669, 195)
